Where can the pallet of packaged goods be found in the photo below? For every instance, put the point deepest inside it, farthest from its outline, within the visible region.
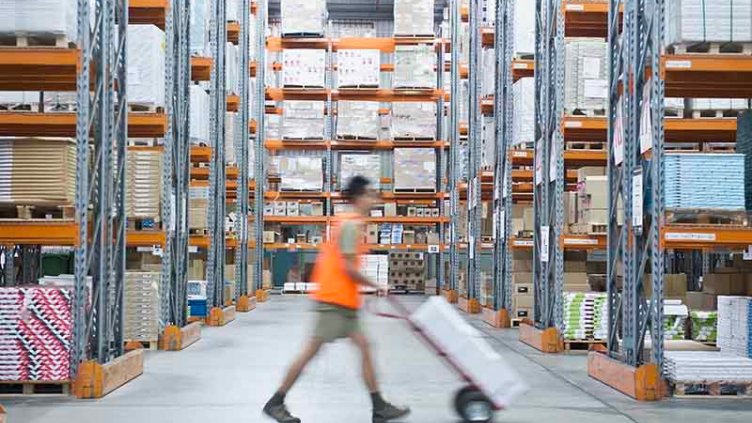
(301, 173)
(303, 120)
(303, 18)
(695, 374)
(143, 185)
(358, 68)
(146, 68)
(43, 23)
(407, 272)
(413, 121)
(586, 77)
(304, 68)
(414, 67)
(414, 170)
(585, 319)
(715, 108)
(36, 335)
(367, 165)
(414, 18)
(358, 120)
(706, 182)
(142, 308)
(723, 27)
(735, 325)
(523, 125)
(39, 174)
(199, 124)
(198, 203)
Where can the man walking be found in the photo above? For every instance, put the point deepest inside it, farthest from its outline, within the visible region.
(337, 303)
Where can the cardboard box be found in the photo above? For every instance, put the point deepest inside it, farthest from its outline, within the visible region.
(196, 269)
(412, 212)
(717, 283)
(577, 288)
(575, 278)
(408, 237)
(528, 220)
(372, 234)
(675, 285)
(419, 212)
(522, 301)
(694, 300)
(435, 212)
(570, 208)
(522, 278)
(390, 209)
(584, 172)
(268, 208)
(293, 208)
(269, 237)
(575, 266)
(280, 208)
(595, 216)
(317, 209)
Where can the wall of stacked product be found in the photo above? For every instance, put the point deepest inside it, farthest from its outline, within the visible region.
(348, 97)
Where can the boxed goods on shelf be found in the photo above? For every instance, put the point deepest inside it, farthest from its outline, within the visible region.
(38, 171)
(376, 268)
(414, 169)
(413, 17)
(586, 79)
(706, 367)
(488, 76)
(414, 67)
(694, 21)
(199, 123)
(141, 306)
(304, 68)
(524, 111)
(232, 68)
(524, 28)
(368, 165)
(40, 17)
(704, 325)
(413, 120)
(198, 208)
(199, 30)
(303, 120)
(143, 174)
(358, 68)
(231, 132)
(718, 104)
(407, 271)
(303, 17)
(301, 173)
(704, 181)
(36, 333)
(273, 125)
(585, 316)
(146, 65)
(735, 325)
(358, 119)
(488, 152)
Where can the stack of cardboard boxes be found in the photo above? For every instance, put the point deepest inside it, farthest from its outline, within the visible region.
(407, 271)
(522, 284)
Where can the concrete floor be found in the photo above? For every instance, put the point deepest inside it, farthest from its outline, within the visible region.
(231, 371)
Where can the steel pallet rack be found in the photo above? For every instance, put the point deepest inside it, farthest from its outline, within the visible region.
(455, 19)
(637, 137)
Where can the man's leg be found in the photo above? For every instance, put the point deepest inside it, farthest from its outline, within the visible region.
(382, 410)
(276, 408)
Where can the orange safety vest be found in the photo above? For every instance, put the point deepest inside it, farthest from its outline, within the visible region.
(334, 284)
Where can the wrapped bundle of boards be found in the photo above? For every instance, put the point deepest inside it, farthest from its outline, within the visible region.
(141, 306)
(143, 184)
(37, 171)
(53, 20)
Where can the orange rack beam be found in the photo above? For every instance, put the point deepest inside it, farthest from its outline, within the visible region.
(233, 32)
(145, 12)
(203, 172)
(201, 68)
(705, 237)
(488, 36)
(200, 154)
(595, 129)
(572, 158)
(522, 69)
(202, 241)
(38, 232)
(586, 18)
(298, 220)
(707, 75)
(39, 69)
(140, 125)
(233, 103)
(145, 238)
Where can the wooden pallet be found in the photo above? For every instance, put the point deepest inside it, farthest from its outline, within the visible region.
(23, 39)
(581, 344)
(302, 35)
(524, 56)
(589, 112)
(719, 147)
(715, 114)
(144, 108)
(34, 388)
(414, 190)
(683, 147)
(28, 212)
(707, 217)
(356, 138)
(359, 87)
(587, 229)
(711, 48)
(673, 113)
(151, 345)
(144, 142)
(413, 139)
(710, 389)
(585, 146)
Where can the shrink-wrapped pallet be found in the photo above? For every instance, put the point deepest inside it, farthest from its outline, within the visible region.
(704, 181)
(304, 68)
(232, 69)
(488, 152)
(414, 120)
(524, 27)
(146, 65)
(488, 76)
(697, 21)
(735, 325)
(141, 306)
(197, 207)
(199, 28)
(303, 120)
(233, 10)
(414, 17)
(524, 111)
(358, 119)
(301, 173)
(39, 17)
(143, 174)
(414, 67)
(273, 126)
(367, 165)
(199, 119)
(303, 17)
(586, 79)
(231, 133)
(358, 68)
(718, 104)
(37, 171)
(414, 169)
(36, 333)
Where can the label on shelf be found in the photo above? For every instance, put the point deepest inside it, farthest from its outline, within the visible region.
(545, 233)
(523, 243)
(689, 236)
(618, 142)
(144, 249)
(580, 241)
(637, 204)
(747, 254)
(433, 249)
(520, 65)
(520, 154)
(192, 249)
(575, 7)
(573, 124)
(678, 64)
(553, 159)
(646, 122)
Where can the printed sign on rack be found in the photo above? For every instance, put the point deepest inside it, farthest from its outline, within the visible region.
(433, 249)
(646, 122)
(747, 254)
(618, 141)
(545, 233)
(538, 163)
(553, 159)
(637, 204)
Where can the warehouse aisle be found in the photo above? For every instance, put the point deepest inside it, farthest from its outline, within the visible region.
(228, 375)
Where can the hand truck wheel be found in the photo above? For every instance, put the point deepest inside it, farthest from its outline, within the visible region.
(473, 406)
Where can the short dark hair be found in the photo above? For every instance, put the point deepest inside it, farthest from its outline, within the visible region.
(356, 187)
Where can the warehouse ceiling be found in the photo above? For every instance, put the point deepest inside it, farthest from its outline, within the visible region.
(359, 9)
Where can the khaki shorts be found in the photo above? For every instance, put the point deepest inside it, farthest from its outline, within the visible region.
(333, 322)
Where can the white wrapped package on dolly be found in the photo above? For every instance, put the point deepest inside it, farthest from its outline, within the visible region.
(491, 383)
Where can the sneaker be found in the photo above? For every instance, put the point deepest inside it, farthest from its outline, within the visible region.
(280, 413)
(389, 412)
